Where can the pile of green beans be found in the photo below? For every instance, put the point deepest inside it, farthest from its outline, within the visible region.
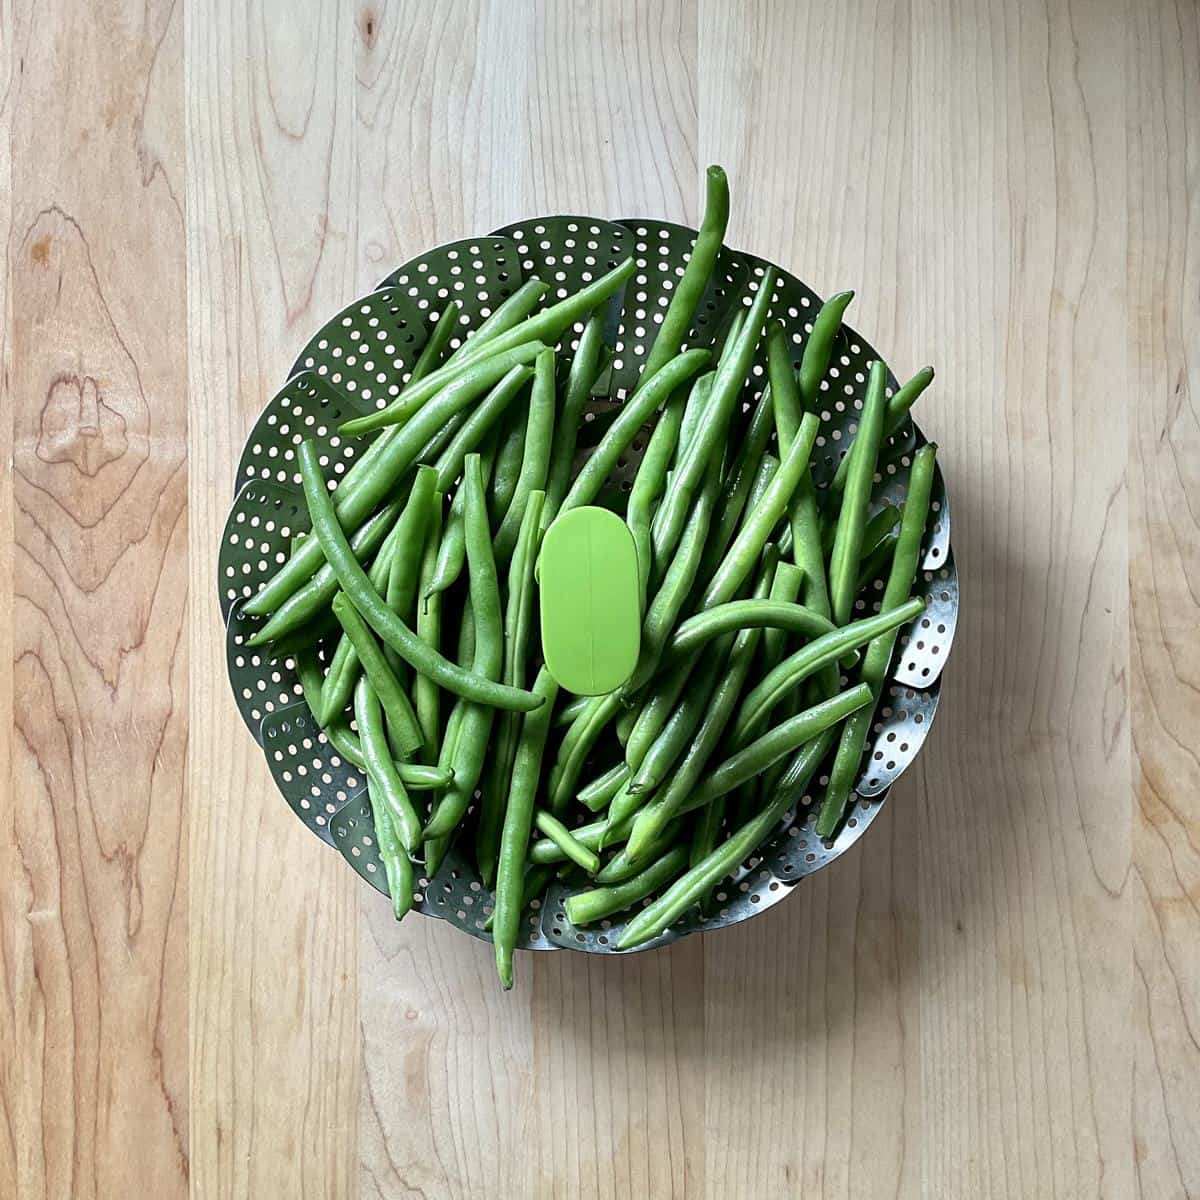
(759, 663)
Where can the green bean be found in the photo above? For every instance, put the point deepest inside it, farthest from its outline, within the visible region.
(358, 494)
(518, 819)
(737, 485)
(585, 369)
(438, 340)
(779, 741)
(370, 604)
(345, 743)
(570, 712)
(713, 430)
(874, 562)
(723, 860)
(423, 503)
(657, 708)
(693, 412)
(310, 600)
(539, 434)
(547, 325)
(576, 745)
(381, 772)
(536, 879)
(426, 694)
(676, 734)
(736, 665)
(897, 409)
(518, 621)
(740, 558)
(585, 908)
(404, 734)
(805, 661)
(622, 810)
(818, 350)
(632, 416)
(650, 480)
(478, 425)
(476, 721)
(429, 358)
(343, 663)
(847, 543)
(654, 713)
(397, 866)
(783, 615)
(785, 589)
(452, 552)
(509, 313)
(689, 291)
(550, 826)
(507, 469)
(597, 794)
(876, 530)
(905, 563)
(663, 612)
(621, 867)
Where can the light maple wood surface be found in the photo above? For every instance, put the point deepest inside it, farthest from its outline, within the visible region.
(996, 995)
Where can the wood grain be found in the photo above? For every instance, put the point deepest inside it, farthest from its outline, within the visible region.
(273, 935)
(996, 995)
(98, 419)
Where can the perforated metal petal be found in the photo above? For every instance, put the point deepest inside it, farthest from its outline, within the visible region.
(454, 894)
(477, 272)
(761, 881)
(568, 252)
(368, 349)
(307, 407)
(313, 778)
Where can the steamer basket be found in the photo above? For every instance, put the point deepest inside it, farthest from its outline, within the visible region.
(361, 359)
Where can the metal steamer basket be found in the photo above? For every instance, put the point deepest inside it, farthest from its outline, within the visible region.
(360, 360)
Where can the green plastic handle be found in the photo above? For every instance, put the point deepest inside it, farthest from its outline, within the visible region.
(590, 601)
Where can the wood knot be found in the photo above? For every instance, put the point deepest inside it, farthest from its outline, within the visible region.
(79, 427)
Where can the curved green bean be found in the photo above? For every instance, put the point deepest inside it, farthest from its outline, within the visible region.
(518, 819)
(539, 435)
(852, 517)
(381, 772)
(905, 563)
(586, 366)
(370, 604)
(585, 908)
(804, 662)
(650, 480)
(818, 349)
(550, 826)
(723, 860)
(783, 615)
(897, 409)
(476, 722)
(518, 622)
(308, 602)
(404, 734)
(689, 291)
(547, 325)
(478, 425)
(577, 744)
(632, 416)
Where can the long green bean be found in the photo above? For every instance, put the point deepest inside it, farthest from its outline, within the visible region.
(370, 604)
(476, 722)
(905, 563)
(539, 435)
(852, 517)
(518, 820)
